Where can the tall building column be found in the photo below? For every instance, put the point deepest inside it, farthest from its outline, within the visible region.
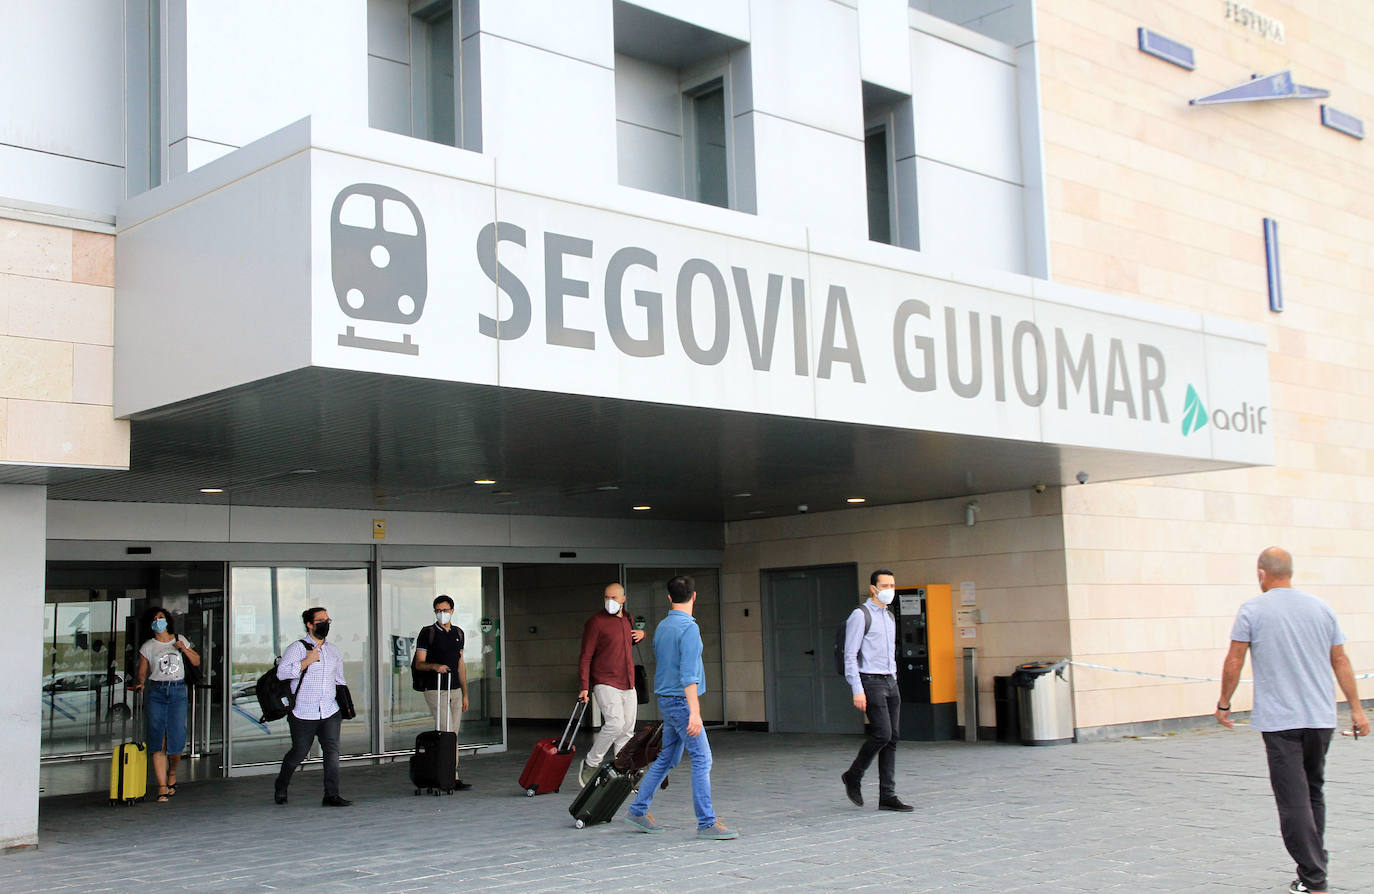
(23, 551)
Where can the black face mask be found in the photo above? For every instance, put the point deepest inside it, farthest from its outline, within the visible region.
(321, 629)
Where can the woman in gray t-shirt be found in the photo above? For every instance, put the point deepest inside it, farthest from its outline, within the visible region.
(162, 662)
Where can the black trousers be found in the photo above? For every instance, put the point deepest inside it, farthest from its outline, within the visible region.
(884, 720)
(1297, 768)
(303, 732)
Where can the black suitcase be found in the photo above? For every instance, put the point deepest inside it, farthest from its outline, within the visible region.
(602, 798)
(434, 765)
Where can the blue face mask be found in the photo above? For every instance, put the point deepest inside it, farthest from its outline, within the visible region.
(159, 625)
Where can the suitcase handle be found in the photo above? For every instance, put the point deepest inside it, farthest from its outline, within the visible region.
(445, 698)
(570, 731)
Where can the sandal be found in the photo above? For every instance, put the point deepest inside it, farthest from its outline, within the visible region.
(163, 793)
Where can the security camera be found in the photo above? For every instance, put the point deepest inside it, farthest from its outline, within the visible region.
(1040, 488)
(1082, 477)
(802, 507)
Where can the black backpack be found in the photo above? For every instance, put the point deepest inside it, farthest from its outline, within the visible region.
(276, 698)
(839, 639)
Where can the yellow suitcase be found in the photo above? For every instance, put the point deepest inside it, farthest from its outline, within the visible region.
(129, 764)
(129, 773)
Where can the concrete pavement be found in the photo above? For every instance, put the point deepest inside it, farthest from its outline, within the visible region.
(1185, 812)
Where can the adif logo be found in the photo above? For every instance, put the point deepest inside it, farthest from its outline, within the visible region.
(1246, 420)
(1194, 413)
(377, 247)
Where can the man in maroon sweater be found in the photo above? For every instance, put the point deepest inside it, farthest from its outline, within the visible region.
(607, 670)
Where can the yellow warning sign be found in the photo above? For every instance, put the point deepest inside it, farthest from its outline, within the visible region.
(379, 529)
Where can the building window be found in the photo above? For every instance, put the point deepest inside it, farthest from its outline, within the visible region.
(890, 167)
(424, 78)
(877, 171)
(680, 128)
(708, 167)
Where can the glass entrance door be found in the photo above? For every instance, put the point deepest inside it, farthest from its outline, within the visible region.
(85, 705)
(266, 606)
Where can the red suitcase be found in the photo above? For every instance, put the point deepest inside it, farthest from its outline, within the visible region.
(549, 761)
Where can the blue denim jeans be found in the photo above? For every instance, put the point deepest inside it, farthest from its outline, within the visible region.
(673, 709)
(165, 705)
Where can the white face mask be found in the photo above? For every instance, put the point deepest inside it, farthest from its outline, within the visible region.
(443, 617)
(612, 606)
(885, 596)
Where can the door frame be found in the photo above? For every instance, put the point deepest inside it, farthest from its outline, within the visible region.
(770, 661)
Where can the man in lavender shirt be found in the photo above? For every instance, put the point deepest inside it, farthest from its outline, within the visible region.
(316, 714)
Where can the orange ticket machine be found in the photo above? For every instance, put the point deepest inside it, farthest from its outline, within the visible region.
(925, 662)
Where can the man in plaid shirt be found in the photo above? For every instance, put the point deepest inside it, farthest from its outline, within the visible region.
(316, 714)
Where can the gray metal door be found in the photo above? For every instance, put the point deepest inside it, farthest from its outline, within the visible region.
(802, 608)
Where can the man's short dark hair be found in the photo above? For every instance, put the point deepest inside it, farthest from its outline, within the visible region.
(309, 614)
(681, 588)
(441, 599)
(873, 578)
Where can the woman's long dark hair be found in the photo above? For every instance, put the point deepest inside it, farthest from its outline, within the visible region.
(150, 613)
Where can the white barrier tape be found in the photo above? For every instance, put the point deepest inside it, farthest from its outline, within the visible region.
(1123, 670)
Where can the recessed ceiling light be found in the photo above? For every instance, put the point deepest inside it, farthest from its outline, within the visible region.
(212, 490)
(304, 471)
(641, 508)
(609, 487)
(484, 481)
(744, 493)
(501, 493)
(857, 500)
(756, 512)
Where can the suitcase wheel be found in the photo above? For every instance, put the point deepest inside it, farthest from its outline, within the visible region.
(531, 792)
(580, 824)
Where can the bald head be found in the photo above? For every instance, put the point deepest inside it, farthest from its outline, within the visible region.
(1274, 568)
(616, 592)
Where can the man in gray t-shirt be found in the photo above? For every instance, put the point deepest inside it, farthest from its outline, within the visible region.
(1296, 646)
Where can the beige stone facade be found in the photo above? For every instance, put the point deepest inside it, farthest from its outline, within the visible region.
(1159, 201)
(57, 348)
(1151, 198)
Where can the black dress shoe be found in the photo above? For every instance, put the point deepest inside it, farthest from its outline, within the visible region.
(461, 786)
(335, 801)
(851, 789)
(894, 803)
(279, 795)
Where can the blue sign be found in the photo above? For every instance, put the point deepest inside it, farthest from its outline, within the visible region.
(1346, 123)
(1161, 47)
(1274, 86)
(1271, 264)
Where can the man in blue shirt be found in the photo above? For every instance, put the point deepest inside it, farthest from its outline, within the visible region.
(870, 667)
(1296, 646)
(679, 681)
(316, 713)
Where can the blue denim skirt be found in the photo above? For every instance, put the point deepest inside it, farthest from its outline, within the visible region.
(165, 705)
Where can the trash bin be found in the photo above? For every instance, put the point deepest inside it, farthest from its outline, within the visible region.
(1007, 712)
(1044, 700)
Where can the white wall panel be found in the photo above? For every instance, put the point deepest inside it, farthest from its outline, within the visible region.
(546, 113)
(577, 28)
(189, 154)
(810, 177)
(649, 159)
(57, 180)
(254, 66)
(648, 95)
(22, 554)
(969, 219)
(62, 71)
(965, 108)
(728, 17)
(388, 29)
(388, 95)
(884, 50)
(805, 59)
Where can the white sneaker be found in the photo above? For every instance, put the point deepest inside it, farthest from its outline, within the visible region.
(586, 773)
